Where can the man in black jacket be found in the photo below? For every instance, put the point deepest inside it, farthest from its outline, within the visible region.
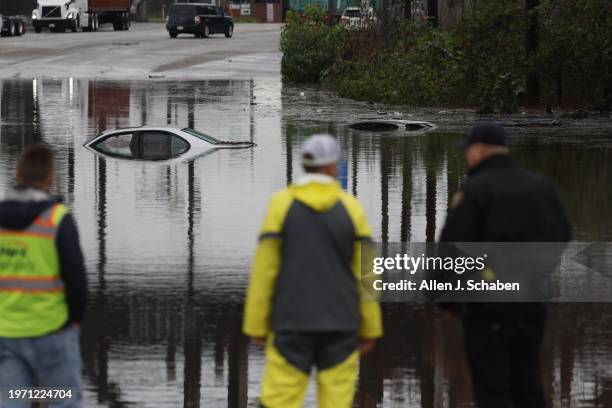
(43, 286)
(500, 202)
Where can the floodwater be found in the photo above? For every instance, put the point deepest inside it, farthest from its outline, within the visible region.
(168, 246)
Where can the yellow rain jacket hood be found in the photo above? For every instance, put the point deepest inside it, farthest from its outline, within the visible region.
(318, 192)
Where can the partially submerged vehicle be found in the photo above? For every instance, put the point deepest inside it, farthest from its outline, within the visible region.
(158, 143)
(376, 125)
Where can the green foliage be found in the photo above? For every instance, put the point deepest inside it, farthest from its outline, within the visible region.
(491, 41)
(309, 46)
(397, 74)
(482, 61)
(576, 51)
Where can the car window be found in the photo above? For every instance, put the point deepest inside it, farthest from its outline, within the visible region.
(207, 10)
(118, 145)
(352, 13)
(179, 146)
(182, 10)
(161, 146)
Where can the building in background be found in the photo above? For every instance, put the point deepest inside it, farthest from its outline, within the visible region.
(273, 11)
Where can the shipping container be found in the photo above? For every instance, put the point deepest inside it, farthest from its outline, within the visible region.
(109, 5)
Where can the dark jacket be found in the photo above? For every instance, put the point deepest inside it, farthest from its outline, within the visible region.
(500, 202)
(19, 210)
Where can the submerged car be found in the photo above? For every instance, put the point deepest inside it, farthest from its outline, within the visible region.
(391, 125)
(158, 143)
(198, 19)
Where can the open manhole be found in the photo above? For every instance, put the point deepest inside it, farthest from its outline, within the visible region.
(390, 125)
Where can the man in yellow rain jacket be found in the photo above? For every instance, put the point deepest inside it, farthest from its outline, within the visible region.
(304, 299)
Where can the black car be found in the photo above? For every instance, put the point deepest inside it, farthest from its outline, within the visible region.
(198, 19)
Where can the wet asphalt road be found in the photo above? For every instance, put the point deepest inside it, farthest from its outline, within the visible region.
(146, 51)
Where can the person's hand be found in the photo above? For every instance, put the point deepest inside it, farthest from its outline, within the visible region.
(365, 345)
(259, 341)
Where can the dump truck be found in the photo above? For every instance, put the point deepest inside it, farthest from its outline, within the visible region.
(87, 15)
(14, 17)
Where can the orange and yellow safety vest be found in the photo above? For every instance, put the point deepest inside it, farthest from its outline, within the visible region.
(32, 295)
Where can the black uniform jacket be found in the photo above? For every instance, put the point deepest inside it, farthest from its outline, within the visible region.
(500, 202)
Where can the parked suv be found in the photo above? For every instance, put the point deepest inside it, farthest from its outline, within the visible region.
(201, 20)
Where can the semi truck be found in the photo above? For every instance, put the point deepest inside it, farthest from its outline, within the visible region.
(87, 15)
(14, 17)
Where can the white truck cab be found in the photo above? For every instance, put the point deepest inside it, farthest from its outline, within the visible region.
(59, 15)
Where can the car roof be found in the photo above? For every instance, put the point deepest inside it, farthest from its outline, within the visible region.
(167, 128)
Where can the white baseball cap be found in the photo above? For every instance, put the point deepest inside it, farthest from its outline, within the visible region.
(320, 150)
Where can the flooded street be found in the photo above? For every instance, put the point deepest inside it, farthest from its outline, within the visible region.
(169, 246)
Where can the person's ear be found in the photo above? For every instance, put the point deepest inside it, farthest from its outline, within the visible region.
(473, 154)
(332, 170)
(18, 178)
(468, 155)
(478, 153)
(49, 181)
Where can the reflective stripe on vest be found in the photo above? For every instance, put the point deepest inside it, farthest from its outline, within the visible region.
(32, 295)
(32, 285)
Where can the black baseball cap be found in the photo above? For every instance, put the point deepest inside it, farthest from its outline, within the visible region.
(489, 133)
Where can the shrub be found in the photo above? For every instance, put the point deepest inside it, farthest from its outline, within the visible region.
(576, 51)
(491, 39)
(309, 46)
(482, 61)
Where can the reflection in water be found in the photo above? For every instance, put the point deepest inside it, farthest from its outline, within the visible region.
(406, 193)
(385, 172)
(169, 246)
(192, 336)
